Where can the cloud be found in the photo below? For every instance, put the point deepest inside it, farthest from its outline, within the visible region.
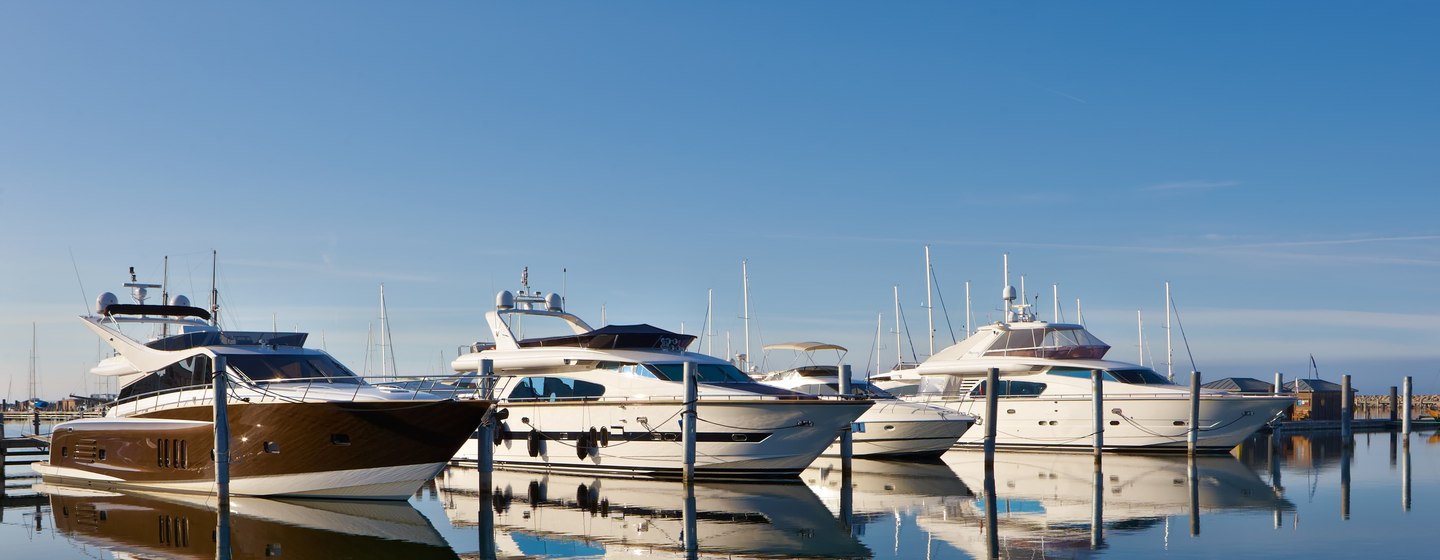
(1192, 185)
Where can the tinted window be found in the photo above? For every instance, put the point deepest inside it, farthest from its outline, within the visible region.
(553, 388)
(194, 371)
(705, 373)
(281, 367)
(1011, 389)
(1139, 376)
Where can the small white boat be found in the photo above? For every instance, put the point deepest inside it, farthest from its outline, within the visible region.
(610, 400)
(891, 428)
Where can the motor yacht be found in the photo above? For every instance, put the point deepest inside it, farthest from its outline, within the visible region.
(300, 423)
(610, 400)
(891, 428)
(1045, 393)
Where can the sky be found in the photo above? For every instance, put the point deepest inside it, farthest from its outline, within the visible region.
(1275, 162)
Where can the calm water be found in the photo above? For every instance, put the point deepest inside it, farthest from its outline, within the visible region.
(1291, 496)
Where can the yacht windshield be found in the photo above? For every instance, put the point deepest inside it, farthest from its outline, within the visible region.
(1140, 376)
(704, 373)
(291, 367)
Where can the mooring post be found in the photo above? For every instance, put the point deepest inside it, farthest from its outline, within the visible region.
(692, 392)
(992, 529)
(1394, 406)
(692, 540)
(35, 417)
(1407, 410)
(847, 435)
(1347, 411)
(992, 413)
(1405, 477)
(1097, 509)
(1193, 437)
(222, 457)
(1345, 452)
(486, 451)
(1097, 388)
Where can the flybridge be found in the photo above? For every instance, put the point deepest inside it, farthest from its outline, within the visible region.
(618, 337)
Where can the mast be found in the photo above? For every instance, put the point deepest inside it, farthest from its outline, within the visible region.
(709, 322)
(879, 325)
(383, 332)
(929, 306)
(165, 293)
(1008, 294)
(968, 323)
(34, 380)
(899, 357)
(1140, 326)
(1169, 352)
(1055, 300)
(745, 287)
(214, 293)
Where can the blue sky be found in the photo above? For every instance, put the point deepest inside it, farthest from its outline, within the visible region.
(1273, 161)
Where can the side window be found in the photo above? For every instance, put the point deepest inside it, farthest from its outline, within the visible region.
(1011, 389)
(555, 388)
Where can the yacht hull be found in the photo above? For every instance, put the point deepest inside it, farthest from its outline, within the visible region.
(354, 450)
(1156, 422)
(895, 428)
(736, 439)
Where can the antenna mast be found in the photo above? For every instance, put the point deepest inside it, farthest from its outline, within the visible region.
(1140, 326)
(34, 380)
(214, 293)
(165, 293)
(968, 323)
(1008, 294)
(709, 322)
(879, 326)
(387, 355)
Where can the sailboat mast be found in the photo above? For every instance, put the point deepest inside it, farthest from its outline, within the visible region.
(745, 287)
(968, 321)
(1055, 300)
(879, 326)
(34, 380)
(1169, 352)
(899, 357)
(383, 350)
(929, 306)
(1140, 326)
(165, 293)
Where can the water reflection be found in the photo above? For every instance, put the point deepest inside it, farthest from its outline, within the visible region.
(1046, 504)
(537, 514)
(184, 526)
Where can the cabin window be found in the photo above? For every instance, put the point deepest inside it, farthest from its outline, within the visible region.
(1008, 388)
(272, 447)
(294, 367)
(554, 388)
(1139, 376)
(704, 373)
(636, 370)
(339, 439)
(190, 372)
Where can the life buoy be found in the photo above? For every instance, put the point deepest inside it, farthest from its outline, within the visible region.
(533, 443)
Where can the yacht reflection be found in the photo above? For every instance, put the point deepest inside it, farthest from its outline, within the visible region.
(1045, 503)
(183, 526)
(533, 513)
(886, 487)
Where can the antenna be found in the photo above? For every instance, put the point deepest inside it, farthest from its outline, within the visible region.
(879, 325)
(1140, 326)
(709, 321)
(1008, 294)
(214, 293)
(165, 293)
(969, 324)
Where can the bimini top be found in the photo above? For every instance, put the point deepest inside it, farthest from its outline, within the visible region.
(804, 346)
(113, 309)
(617, 337)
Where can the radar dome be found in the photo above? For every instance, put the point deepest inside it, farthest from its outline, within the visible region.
(180, 300)
(505, 300)
(552, 302)
(105, 300)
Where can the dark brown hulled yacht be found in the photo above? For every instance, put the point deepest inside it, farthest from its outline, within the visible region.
(301, 424)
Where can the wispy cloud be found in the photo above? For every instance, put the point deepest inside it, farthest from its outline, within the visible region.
(327, 267)
(1192, 185)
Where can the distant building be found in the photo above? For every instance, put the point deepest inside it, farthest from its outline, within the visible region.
(1315, 399)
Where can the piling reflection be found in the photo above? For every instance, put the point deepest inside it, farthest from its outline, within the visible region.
(538, 513)
(187, 526)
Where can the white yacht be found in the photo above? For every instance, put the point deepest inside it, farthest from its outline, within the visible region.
(301, 424)
(891, 428)
(1045, 393)
(610, 400)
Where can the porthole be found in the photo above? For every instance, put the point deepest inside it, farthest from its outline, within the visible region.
(339, 439)
(739, 437)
